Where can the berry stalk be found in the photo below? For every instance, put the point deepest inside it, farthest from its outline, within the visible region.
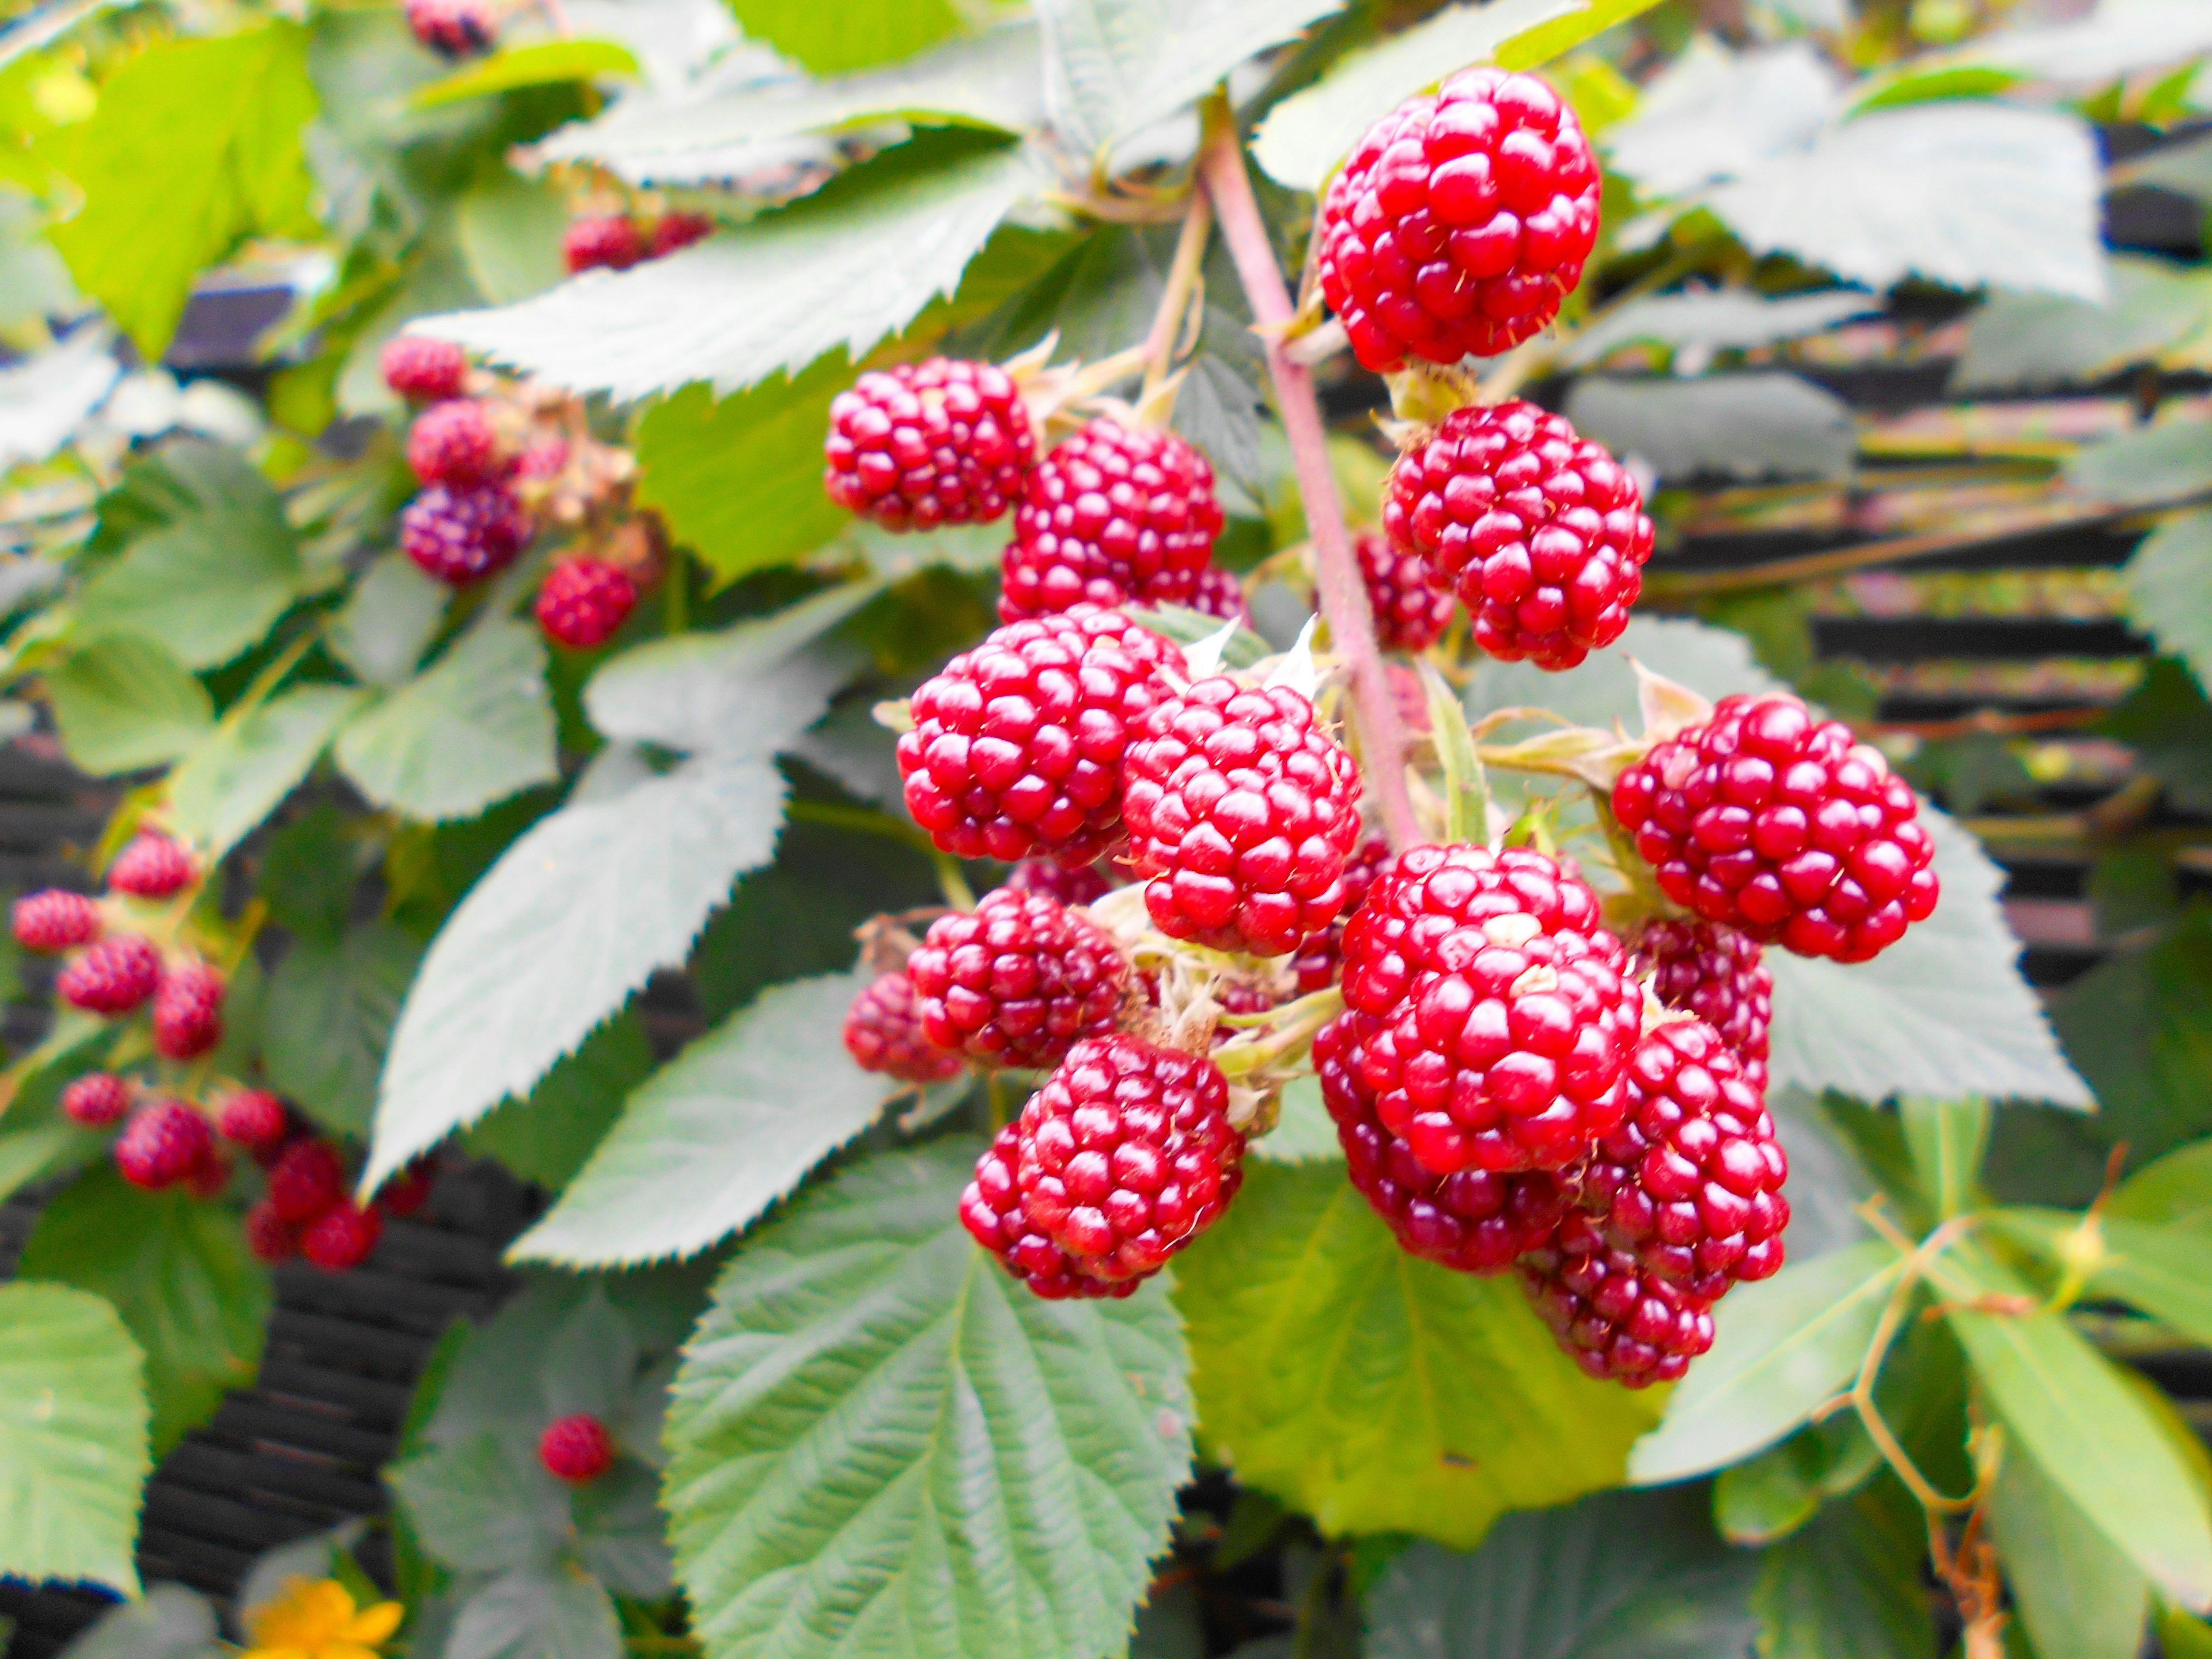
(1342, 595)
(1182, 280)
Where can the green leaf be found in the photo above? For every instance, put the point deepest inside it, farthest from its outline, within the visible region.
(2077, 1595)
(1753, 425)
(1848, 1585)
(172, 1622)
(552, 1612)
(1948, 1139)
(1783, 1487)
(174, 180)
(126, 704)
(329, 1018)
(1375, 1391)
(177, 1269)
(243, 772)
(2166, 1272)
(2139, 1025)
(1781, 1347)
(618, 1533)
(485, 1504)
(73, 1451)
(543, 64)
(831, 39)
(882, 1443)
(1706, 321)
(475, 729)
(2147, 466)
(510, 230)
(1616, 1575)
(2047, 339)
(2174, 1192)
(2169, 581)
(549, 1137)
(389, 620)
(2069, 1410)
(1304, 1133)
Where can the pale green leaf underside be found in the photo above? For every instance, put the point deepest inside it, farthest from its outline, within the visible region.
(2075, 1591)
(124, 702)
(2170, 590)
(242, 773)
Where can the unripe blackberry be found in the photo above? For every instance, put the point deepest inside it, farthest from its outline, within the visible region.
(919, 444)
(188, 1011)
(422, 369)
(1321, 955)
(96, 1100)
(1782, 827)
(1017, 745)
(672, 231)
(609, 241)
(270, 1238)
(112, 977)
(342, 1237)
(1085, 885)
(583, 601)
(1717, 974)
(1460, 221)
(991, 1209)
(164, 1142)
(883, 1033)
(305, 1181)
(1473, 1222)
(1411, 608)
(1505, 1013)
(1614, 1320)
(1111, 516)
(254, 1119)
(1541, 533)
(406, 1193)
(152, 866)
(1242, 811)
(1221, 595)
(54, 919)
(576, 1449)
(1127, 1154)
(452, 28)
(453, 443)
(463, 536)
(1018, 981)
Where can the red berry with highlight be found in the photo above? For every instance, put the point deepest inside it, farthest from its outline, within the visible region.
(1241, 811)
(1018, 981)
(1017, 745)
(453, 443)
(919, 444)
(112, 977)
(1085, 885)
(1110, 516)
(576, 1449)
(991, 1209)
(270, 1238)
(452, 28)
(1541, 533)
(188, 1011)
(609, 241)
(55, 920)
(883, 1033)
(96, 1100)
(1784, 827)
(165, 1142)
(342, 1237)
(1321, 956)
(254, 1119)
(672, 231)
(1459, 222)
(1717, 974)
(1411, 608)
(583, 601)
(1617, 1321)
(463, 536)
(152, 866)
(422, 369)
(1220, 595)
(406, 1193)
(305, 1181)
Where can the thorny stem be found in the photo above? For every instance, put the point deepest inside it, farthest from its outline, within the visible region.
(1342, 595)
(1183, 281)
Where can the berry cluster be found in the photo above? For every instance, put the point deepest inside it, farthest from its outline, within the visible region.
(616, 242)
(452, 28)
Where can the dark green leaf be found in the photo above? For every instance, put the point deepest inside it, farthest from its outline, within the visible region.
(485, 1503)
(618, 1533)
(329, 1019)
(1780, 1489)
(2166, 1272)
(1848, 1585)
(1747, 426)
(2167, 721)
(2175, 1192)
(126, 704)
(551, 1611)
(2139, 1025)
(243, 772)
(1946, 1139)
(548, 1136)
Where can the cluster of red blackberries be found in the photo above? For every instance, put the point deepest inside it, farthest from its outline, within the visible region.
(616, 242)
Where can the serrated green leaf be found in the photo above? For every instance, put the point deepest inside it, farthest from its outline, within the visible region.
(2047, 339)
(475, 729)
(1848, 1585)
(549, 1137)
(2174, 1192)
(2169, 581)
(553, 1612)
(880, 1441)
(243, 772)
(1755, 425)
(2076, 1593)
(542, 64)
(329, 1017)
(829, 41)
(483, 1504)
(126, 704)
(1948, 1139)
(1376, 1392)
(2168, 462)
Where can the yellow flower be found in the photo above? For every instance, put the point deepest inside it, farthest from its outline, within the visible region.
(317, 1620)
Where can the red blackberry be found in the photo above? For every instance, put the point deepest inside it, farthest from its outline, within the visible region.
(452, 28)
(453, 443)
(1319, 958)
(152, 866)
(462, 535)
(406, 1193)
(919, 444)
(609, 241)
(342, 1237)
(1016, 982)
(1783, 828)
(1111, 516)
(1459, 222)
(582, 602)
(54, 919)
(188, 1011)
(546, 458)
(164, 1142)
(1504, 1012)
(254, 1119)
(883, 1033)
(1017, 745)
(112, 977)
(307, 1181)
(1242, 811)
(96, 1100)
(1615, 1321)
(209, 1176)
(1716, 974)
(425, 370)
(1541, 531)
(1127, 1154)
(576, 1449)
(1219, 594)
(1411, 608)
(1085, 885)
(672, 231)
(270, 1238)
(1473, 1222)
(991, 1209)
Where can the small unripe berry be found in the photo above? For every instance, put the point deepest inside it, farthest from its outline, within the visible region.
(576, 1449)
(406, 1193)
(583, 601)
(254, 1119)
(96, 1100)
(54, 919)
(112, 977)
(919, 444)
(425, 370)
(342, 1237)
(453, 443)
(152, 866)
(607, 241)
(188, 1011)
(165, 1142)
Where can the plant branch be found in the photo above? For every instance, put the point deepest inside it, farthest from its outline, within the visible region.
(1342, 595)
(1183, 282)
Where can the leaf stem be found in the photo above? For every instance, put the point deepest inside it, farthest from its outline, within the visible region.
(1182, 280)
(675, 593)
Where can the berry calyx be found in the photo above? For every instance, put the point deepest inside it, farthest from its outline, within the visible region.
(1412, 607)
(1717, 974)
(54, 919)
(1017, 745)
(583, 601)
(254, 1119)
(453, 443)
(112, 977)
(307, 1181)
(96, 1100)
(1784, 827)
(1459, 222)
(1242, 811)
(152, 866)
(991, 1210)
(1502, 1013)
(463, 536)
(423, 369)
(576, 1449)
(1220, 594)
(1321, 956)
(452, 28)
(609, 241)
(165, 1142)
(672, 231)
(342, 1237)
(883, 1033)
(188, 1011)
(270, 1238)
(919, 444)
(1541, 533)
(1018, 981)
(1110, 516)
(1617, 1321)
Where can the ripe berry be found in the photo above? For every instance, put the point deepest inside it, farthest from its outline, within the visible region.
(425, 370)
(462, 535)
(576, 1449)
(406, 1193)
(164, 1142)
(610, 241)
(1615, 1321)
(919, 444)
(453, 443)
(582, 602)
(209, 1176)
(546, 458)
(1716, 974)
(96, 1100)
(254, 1119)
(1321, 955)
(112, 977)
(152, 866)
(1783, 828)
(1503, 1014)
(1541, 532)
(991, 1209)
(452, 28)
(883, 1033)
(1084, 884)
(188, 1011)
(54, 919)
(1242, 811)
(1221, 595)
(1412, 607)
(1473, 1222)
(1017, 745)
(307, 1181)
(1459, 222)
(270, 1238)
(342, 1237)
(1111, 516)
(1127, 1154)
(1016, 982)
(672, 231)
